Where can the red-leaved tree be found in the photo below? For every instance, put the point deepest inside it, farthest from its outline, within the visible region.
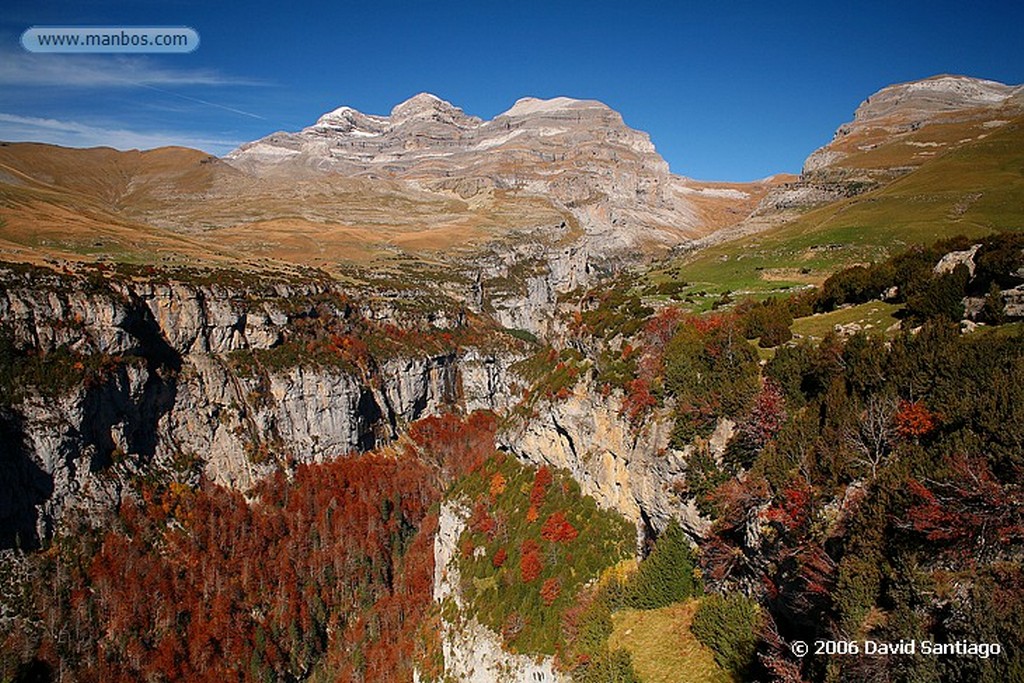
(530, 563)
(558, 529)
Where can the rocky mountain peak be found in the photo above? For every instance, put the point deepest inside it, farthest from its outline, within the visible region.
(349, 120)
(961, 104)
(428, 107)
(533, 106)
(935, 95)
(577, 154)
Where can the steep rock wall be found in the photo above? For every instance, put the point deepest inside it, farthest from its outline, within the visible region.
(624, 468)
(175, 397)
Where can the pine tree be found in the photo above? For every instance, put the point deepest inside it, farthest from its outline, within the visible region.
(666, 575)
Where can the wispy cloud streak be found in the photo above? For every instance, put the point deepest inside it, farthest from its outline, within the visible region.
(76, 134)
(18, 68)
(206, 102)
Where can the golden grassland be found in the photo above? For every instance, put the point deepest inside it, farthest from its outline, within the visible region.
(661, 646)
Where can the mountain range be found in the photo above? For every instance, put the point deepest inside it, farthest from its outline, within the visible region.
(424, 179)
(420, 396)
(431, 182)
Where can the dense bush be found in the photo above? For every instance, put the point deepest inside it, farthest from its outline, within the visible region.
(853, 286)
(890, 457)
(939, 296)
(611, 667)
(730, 626)
(711, 371)
(768, 321)
(330, 571)
(998, 263)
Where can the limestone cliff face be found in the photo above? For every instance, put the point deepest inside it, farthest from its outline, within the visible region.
(521, 284)
(182, 391)
(624, 468)
(185, 392)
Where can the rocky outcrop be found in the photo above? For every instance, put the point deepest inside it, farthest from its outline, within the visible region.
(949, 262)
(115, 316)
(624, 468)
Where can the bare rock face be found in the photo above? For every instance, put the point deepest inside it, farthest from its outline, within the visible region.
(178, 391)
(624, 468)
(578, 153)
(949, 262)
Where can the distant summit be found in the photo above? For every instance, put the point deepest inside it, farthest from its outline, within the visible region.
(427, 107)
(895, 131)
(933, 96)
(908, 107)
(578, 153)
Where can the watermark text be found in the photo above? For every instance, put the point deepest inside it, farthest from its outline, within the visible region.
(109, 39)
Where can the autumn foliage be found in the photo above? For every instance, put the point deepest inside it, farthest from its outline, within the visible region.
(530, 563)
(481, 521)
(794, 507)
(453, 445)
(558, 529)
(638, 400)
(327, 568)
(203, 585)
(913, 420)
(541, 481)
(550, 590)
(972, 513)
(498, 483)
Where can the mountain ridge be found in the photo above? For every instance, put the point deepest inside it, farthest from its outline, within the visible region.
(429, 181)
(578, 152)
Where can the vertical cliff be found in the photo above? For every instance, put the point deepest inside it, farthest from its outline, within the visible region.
(627, 468)
(108, 378)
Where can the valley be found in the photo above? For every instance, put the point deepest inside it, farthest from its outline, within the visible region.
(430, 397)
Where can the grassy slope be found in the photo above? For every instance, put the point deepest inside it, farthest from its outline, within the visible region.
(661, 646)
(875, 317)
(974, 190)
(179, 205)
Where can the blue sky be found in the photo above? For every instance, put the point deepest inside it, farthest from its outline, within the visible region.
(727, 91)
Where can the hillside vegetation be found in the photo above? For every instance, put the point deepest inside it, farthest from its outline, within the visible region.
(973, 190)
(872, 487)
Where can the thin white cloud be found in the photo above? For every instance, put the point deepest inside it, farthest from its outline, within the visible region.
(19, 68)
(14, 128)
